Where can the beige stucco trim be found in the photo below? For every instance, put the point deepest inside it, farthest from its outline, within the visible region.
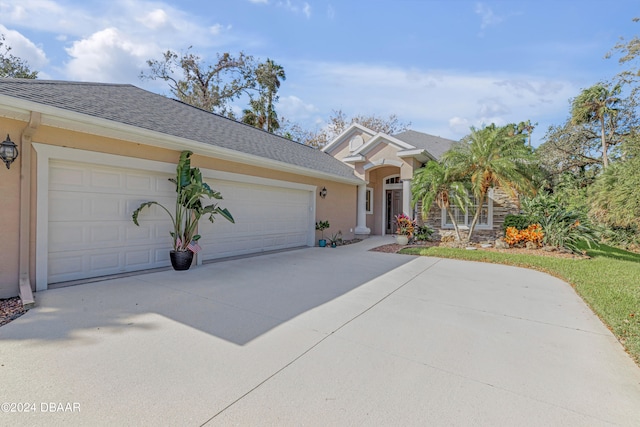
(25, 291)
(45, 153)
(65, 119)
(382, 162)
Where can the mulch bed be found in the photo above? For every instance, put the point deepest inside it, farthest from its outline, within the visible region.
(10, 309)
(394, 248)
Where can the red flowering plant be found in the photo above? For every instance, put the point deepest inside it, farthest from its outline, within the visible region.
(406, 226)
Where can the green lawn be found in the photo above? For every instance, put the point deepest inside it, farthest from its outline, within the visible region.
(609, 282)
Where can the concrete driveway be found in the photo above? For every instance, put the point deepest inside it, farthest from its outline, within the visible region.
(317, 337)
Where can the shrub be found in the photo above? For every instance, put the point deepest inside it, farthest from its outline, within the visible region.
(422, 233)
(567, 229)
(520, 222)
(533, 233)
(624, 237)
(562, 228)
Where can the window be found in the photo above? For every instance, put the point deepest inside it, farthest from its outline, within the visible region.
(393, 180)
(369, 201)
(464, 219)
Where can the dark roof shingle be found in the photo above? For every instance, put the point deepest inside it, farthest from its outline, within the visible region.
(434, 145)
(128, 104)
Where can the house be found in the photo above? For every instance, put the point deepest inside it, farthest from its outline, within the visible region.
(90, 153)
(387, 164)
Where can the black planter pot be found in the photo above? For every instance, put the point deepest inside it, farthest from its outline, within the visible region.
(181, 260)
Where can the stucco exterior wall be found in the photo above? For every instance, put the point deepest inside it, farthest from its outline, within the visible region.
(376, 181)
(339, 206)
(10, 213)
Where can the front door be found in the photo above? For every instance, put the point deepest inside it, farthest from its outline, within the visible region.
(393, 208)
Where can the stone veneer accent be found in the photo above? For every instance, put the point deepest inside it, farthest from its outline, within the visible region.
(503, 205)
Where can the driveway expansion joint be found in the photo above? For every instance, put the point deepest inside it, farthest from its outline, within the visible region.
(307, 351)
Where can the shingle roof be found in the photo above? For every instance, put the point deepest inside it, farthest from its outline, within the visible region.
(128, 104)
(434, 145)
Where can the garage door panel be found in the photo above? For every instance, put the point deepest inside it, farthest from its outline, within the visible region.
(109, 180)
(64, 207)
(67, 176)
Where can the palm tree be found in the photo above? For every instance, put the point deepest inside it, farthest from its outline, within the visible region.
(527, 127)
(596, 104)
(491, 157)
(262, 113)
(433, 183)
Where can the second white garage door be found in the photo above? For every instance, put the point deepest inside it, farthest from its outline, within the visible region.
(266, 218)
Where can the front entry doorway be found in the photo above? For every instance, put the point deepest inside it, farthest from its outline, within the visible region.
(393, 208)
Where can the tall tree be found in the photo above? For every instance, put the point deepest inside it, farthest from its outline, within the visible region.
(433, 182)
(569, 148)
(598, 104)
(614, 197)
(208, 86)
(262, 113)
(11, 66)
(492, 157)
(629, 53)
(527, 127)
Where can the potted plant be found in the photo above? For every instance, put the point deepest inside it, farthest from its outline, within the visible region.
(190, 189)
(406, 227)
(335, 239)
(322, 225)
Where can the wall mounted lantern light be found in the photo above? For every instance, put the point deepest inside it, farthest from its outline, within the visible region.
(8, 151)
(323, 192)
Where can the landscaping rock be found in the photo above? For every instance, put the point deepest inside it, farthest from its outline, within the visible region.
(501, 244)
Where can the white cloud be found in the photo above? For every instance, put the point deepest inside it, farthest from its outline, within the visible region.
(295, 109)
(106, 56)
(157, 19)
(24, 48)
(305, 8)
(45, 15)
(459, 125)
(441, 102)
(331, 12)
(488, 17)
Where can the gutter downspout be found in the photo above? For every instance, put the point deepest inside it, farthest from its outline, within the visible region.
(26, 294)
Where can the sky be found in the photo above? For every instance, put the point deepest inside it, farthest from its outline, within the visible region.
(440, 65)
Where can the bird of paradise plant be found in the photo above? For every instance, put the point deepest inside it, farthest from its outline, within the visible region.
(190, 190)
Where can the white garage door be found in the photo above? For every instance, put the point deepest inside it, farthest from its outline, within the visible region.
(90, 229)
(91, 233)
(266, 218)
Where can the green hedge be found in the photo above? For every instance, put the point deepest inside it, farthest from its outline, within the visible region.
(521, 222)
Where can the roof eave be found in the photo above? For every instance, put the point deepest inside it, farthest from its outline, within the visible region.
(417, 153)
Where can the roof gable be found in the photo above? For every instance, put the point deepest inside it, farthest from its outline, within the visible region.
(347, 134)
